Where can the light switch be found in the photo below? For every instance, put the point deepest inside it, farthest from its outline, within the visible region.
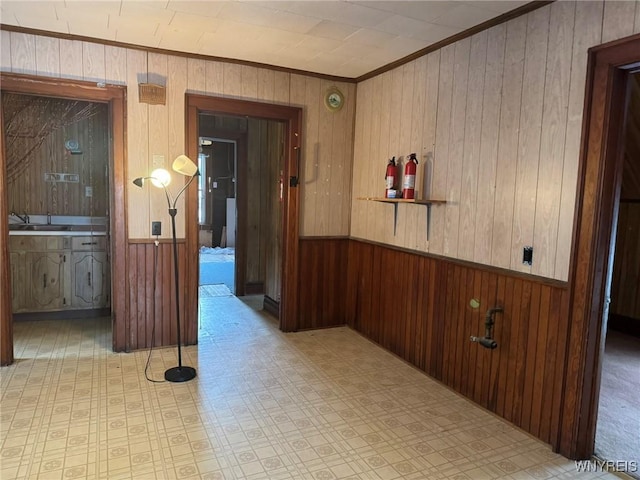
(88, 191)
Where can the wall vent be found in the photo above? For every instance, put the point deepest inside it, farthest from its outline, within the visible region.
(152, 94)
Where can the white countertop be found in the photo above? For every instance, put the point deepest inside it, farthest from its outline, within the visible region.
(61, 233)
(82, 226)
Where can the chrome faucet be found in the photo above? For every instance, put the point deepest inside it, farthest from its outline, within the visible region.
(24, 219)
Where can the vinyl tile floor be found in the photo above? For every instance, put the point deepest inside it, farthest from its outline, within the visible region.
(618, 426)
(317, 405)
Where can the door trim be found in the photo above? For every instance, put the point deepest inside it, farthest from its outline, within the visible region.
(598, 191)
(115, 97)
(292, 117)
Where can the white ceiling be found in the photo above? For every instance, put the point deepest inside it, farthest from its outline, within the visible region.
(344, 38)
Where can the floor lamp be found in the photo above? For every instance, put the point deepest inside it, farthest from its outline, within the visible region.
(161, 178)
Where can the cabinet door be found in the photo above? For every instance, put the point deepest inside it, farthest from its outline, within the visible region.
(18, 281)
(47, 280)
(102, 280)
(90, 277)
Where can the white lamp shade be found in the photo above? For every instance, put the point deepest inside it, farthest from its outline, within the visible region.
(183, 164)
(160, 178)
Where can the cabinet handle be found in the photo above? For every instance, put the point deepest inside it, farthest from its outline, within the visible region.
(44, 280)
(89, 278)
(89, 243)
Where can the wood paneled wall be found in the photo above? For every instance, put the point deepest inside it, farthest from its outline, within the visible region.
(271, 208)
(160, 129)
(36, 146)
(264, 162)
(631, 177)
(323, 276)
(496, 121)
(625, 286)
(153, 313)
(418, 308)
(259, 159)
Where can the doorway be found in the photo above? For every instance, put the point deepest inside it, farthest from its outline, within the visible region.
(200, 107)
(112, 97)
(240, 204)
(618, 420)
(57, 164)
(217, 162)
(598, 193)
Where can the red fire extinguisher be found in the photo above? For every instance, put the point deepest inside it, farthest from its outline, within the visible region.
(409, 183)
(391, 177)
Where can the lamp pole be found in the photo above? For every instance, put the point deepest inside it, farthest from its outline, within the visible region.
(185, 166)
(179, 373)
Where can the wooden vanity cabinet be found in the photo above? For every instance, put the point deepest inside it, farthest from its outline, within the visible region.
(51, 273)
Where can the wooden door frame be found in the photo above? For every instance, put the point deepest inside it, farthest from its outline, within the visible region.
(292, 118)
(600, 174)
(115, 97)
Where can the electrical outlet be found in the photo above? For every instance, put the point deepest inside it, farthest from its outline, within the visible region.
(527, 255)
(156, 228)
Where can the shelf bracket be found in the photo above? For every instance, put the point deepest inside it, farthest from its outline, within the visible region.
(426, 202)
(395, 218)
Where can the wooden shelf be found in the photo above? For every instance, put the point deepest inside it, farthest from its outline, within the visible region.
(414, 201)
(417, 201)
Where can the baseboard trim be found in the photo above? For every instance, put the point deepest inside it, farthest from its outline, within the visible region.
(271, 306)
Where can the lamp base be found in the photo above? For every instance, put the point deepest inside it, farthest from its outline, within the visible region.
(180, 374)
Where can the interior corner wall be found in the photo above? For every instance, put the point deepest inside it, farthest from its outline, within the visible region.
(496, 122)
(160, 129)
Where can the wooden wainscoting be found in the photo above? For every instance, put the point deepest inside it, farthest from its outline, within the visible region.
(323, 282)
(147, 310)
(418, 308)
